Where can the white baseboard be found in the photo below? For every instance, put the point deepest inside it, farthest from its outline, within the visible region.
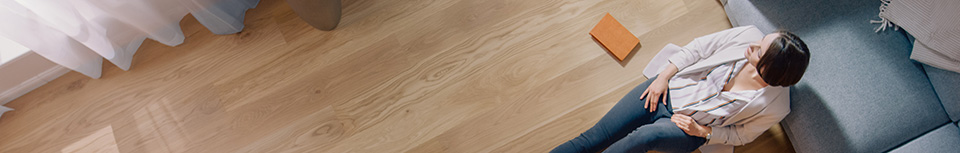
(32, 83)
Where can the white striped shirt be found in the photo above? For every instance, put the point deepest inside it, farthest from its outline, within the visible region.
(701, 95)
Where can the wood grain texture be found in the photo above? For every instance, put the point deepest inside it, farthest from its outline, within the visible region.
(395, 76)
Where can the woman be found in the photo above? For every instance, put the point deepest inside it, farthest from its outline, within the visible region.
(721, 90)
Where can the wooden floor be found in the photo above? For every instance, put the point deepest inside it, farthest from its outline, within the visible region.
(395, 76)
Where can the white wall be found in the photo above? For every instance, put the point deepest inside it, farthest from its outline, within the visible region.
(10, 50)
(25, 73)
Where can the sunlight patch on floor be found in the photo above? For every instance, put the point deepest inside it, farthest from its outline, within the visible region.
(101, 141)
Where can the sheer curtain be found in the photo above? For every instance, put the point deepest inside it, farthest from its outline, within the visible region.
(78, 34)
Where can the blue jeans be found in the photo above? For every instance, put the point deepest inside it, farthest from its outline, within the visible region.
(628, 127)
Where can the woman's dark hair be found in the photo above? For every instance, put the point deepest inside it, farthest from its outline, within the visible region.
(784, 61)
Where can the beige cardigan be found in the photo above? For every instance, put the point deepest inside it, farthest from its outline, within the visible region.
(770, 106)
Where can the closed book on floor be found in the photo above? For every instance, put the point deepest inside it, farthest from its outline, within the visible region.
(614, 37)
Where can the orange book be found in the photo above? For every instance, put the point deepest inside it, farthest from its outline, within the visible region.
(613, 36)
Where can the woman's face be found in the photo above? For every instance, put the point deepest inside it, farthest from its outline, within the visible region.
(757, 49)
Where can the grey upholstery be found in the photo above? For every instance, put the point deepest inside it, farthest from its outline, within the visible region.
(947, 85)
(746, 14)
(944, 139)
(861, 92)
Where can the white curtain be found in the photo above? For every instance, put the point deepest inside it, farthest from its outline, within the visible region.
(78, 34)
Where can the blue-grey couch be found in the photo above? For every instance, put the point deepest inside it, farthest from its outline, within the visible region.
(861, 91)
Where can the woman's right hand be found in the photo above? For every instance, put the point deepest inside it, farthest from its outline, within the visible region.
(657, 89)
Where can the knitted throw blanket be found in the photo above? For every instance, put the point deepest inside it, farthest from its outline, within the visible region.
(934, 23)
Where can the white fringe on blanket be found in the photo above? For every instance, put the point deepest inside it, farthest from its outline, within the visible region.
(884, 22)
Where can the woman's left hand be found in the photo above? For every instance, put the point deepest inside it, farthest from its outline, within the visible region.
(689, 126)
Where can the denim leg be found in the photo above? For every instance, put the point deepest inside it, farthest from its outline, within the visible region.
(624, 117)
(663, 135)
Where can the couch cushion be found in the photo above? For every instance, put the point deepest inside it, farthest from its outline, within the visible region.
(943, 139)
(744, 13)
(947, 85)
(860, 85)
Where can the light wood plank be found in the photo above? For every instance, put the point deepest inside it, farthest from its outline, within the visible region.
(395, 76)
